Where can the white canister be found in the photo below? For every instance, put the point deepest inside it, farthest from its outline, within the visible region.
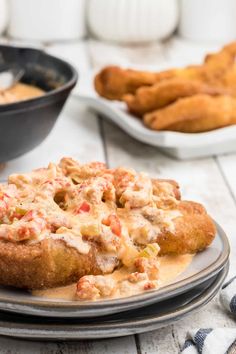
(47, 20)
(3, 15)
(128, 21)
(208, 20)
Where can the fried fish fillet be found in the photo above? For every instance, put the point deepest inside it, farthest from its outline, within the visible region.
(194, 114)
(46, 264)
(221, 62)
(113, 82)
(148, 99)
(220, 67)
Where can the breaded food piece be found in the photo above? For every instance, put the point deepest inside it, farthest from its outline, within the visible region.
(219, 63)
(113, 82)
(148, 99)
(220, 67)
(47, 264)
(194, 231)
(194, 114)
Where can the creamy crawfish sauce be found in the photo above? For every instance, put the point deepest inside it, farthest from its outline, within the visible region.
(19, 92)
(170, 268)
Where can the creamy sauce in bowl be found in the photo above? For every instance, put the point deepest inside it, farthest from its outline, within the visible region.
(170, 268)
(19, 92)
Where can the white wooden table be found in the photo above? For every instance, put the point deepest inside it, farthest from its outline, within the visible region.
(83, 135)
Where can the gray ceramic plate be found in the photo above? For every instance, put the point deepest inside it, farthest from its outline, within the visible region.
(145, 319)
(204, 265)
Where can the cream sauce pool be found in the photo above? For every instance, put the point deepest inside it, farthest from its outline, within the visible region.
(19, 92)
(170, 268)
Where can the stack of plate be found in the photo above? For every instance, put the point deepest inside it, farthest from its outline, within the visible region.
(21, 313)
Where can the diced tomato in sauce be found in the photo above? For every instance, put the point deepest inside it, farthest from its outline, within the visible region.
(29, 215)
(84, 208)
(114, 223)
(149, 285)
(4, 195)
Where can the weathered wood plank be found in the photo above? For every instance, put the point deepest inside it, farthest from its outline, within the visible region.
(107, 346)
(76, 53)
(159, 342)
(227, 165)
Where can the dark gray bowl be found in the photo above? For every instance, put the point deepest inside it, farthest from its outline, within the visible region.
(25, 124)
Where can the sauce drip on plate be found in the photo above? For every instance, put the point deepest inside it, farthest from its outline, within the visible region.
(170, 268)
(19, 92)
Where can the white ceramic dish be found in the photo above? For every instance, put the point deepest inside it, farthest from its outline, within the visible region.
(203, 266)
(179, 145)
(145, 319)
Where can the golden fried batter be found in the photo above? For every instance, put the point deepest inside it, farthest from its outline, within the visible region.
(113, 82)
(148, 99)
(159, 97)
(219, 63)
(194, 114)
(194, 231)
(47, 264)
